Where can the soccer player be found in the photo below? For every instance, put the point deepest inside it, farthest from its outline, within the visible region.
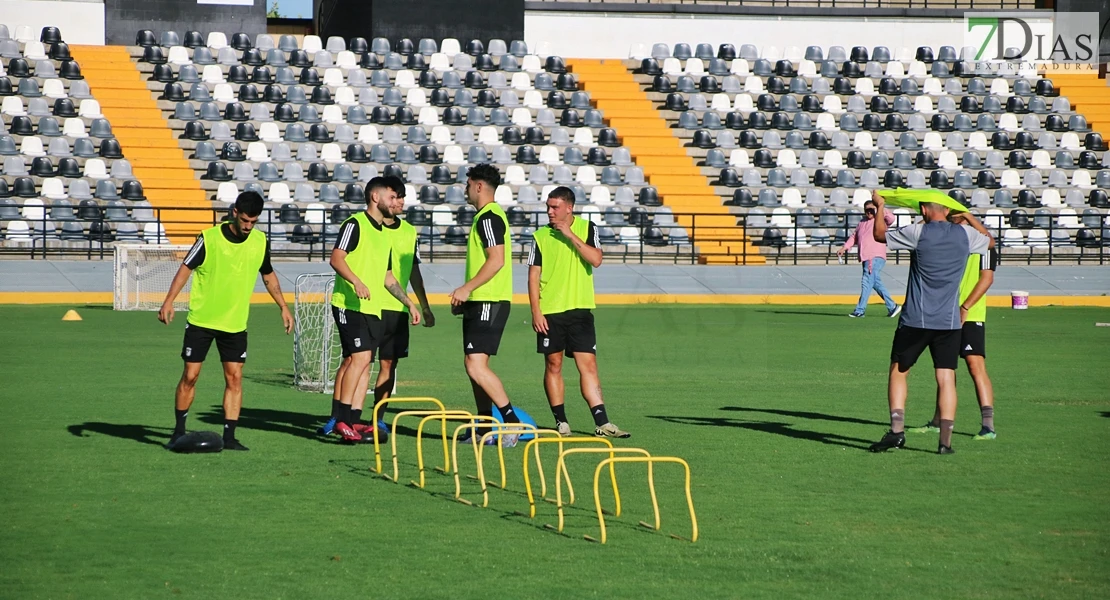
(932, 316)
(395, 317)
(561, 292)
(363, 262)
(224, 260)
(978, 277)
(485, 298)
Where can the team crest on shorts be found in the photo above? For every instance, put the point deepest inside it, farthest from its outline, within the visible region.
(188, 352)
(546, 342)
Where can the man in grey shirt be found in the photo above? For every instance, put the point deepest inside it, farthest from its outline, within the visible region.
(931, 315)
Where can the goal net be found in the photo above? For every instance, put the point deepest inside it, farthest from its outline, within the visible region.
(142, 274)
(316, 349)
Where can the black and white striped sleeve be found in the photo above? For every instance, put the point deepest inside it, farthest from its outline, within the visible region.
(592, 237)
(989, 261)
(195, 256)
(348, 237)
(491, 229)
(535, 259)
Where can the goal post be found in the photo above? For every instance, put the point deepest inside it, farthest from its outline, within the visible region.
(142, 273)
(317, 352)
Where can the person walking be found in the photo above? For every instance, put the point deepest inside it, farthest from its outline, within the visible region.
(872, 257)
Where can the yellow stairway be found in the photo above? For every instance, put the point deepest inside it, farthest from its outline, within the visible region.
(665, 162)
(146, 139)
(1088, 95)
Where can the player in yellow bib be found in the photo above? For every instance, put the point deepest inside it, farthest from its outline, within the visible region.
(561, 293)
(395, 314)
(484, 300)
(363, 260)
(224, 262)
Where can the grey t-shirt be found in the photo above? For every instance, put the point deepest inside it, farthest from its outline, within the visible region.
(940, 251)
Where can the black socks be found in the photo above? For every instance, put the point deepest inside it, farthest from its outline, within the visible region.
(356, 417)
(508, 413)
(336, 407)
(560, 413)
(229, 429)
(600, 418)
(179, 421)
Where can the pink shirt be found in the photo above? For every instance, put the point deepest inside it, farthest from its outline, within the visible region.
(864, 236)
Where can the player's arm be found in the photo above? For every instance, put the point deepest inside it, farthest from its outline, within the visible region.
(193, 259)
(880, 224)
(165, 314)
(495, 260)
(969, 219)
(273, 286)
(591, 252)
(417, 281)
(539, 322)
(338, 262)
(394, 288)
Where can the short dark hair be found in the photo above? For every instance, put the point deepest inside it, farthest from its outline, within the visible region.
(249, 203)
(871, 202)
(563, 193)
(486, 173)
(376, 183)
(394, 182)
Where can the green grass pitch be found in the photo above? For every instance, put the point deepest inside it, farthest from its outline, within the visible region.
(772, 407)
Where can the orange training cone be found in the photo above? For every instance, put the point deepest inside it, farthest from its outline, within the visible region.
(71, 315)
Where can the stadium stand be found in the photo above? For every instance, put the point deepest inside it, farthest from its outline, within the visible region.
(772, 149)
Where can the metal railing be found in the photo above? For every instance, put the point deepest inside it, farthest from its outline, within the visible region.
(782, 238)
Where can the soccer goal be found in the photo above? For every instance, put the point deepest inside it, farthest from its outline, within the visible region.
(317, 353)
(142, 274)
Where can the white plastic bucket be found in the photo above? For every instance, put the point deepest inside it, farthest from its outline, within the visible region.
(1019, 300)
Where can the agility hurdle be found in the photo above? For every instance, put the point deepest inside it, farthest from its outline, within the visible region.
(500, 428)
(443, 418)
(650, 460)
(561, 468)
(534, 444)
(375, 416)
(526, 428)
(419, 413)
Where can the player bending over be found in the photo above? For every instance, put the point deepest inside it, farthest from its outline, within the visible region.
(223, 262)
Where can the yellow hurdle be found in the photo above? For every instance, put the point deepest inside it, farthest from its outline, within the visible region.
(474, 444)
(650, 460)
(375, 416)
(419, 413)
(443, 418)
(496, 431)
(535, 444)
(561, 468)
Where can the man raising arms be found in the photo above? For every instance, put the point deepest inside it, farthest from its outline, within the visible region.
(224, 260)
(932, 316)
(978, 277)
(485, 298)
(561, 293)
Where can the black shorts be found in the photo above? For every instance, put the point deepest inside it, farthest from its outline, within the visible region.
(483, 324)
(358, 332)
(571, 331)
(395, 335)
(973, 339)
(232, 346)
(910, 342)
